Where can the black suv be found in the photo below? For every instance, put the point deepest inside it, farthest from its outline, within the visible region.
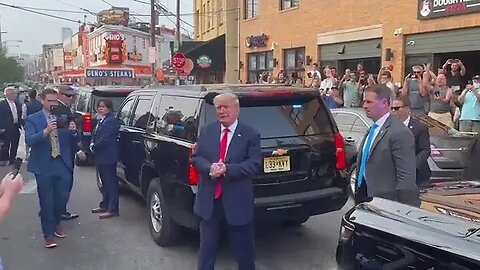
(159, 127)
(85, 108)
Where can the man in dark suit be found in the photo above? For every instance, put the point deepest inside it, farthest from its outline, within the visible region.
(66, 97)
(34, 105)
(386, 158)
(52, 164)
(227, 155)
(10, 123)
(401, 108)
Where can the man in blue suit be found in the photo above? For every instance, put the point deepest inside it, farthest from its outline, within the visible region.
(51, 162)
(226, 156)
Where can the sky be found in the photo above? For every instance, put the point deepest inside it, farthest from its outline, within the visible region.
(35, 30)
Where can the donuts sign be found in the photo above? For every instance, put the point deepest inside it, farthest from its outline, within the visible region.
(115, 50)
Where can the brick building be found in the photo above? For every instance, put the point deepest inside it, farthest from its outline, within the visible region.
(216, 32)
(291, 35)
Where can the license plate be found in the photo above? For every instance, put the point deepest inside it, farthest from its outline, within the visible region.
(276, 164)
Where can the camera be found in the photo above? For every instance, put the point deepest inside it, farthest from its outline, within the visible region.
(63, 119)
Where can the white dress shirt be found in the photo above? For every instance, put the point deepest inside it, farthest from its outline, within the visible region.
(231, 129)
(13, 109)
(407, 121)
(380, 122)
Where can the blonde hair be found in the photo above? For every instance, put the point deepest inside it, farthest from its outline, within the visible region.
(226, 97)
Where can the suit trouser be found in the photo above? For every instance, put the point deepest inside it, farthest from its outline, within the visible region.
(242, 242)
(53, 196)
(12, 138)
(68, 189)
(108, 174)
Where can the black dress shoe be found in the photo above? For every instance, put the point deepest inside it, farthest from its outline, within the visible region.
(69, 216)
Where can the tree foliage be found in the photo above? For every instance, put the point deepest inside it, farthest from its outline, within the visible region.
(10, 69)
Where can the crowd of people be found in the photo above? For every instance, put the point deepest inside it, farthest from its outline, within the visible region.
(52, 141)
(445, 95)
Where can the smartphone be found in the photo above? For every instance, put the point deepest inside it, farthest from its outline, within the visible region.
(16, 167)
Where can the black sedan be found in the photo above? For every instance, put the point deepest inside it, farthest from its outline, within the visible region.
(443, 233)
(451, 150)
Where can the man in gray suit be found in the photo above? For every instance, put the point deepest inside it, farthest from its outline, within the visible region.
(386, 160)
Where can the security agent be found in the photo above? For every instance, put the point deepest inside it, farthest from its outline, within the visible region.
(64, 114)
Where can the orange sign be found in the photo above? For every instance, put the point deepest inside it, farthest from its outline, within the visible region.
(115, 50)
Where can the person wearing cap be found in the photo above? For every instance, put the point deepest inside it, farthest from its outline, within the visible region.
(333, 99)
(470, 112)
(66, 98)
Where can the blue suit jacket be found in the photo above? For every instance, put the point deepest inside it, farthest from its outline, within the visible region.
(40, 161)
(243, 161)
(104, 138)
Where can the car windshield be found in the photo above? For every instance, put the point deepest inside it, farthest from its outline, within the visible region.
(282, 117)
(117, 101)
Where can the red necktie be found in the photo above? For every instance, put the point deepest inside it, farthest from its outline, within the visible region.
(222, 153)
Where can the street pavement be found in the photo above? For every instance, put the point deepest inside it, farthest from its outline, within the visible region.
(124, 243)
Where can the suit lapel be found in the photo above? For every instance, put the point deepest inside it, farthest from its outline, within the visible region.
(381, 133)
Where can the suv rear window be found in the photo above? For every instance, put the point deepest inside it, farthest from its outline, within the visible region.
(281, 117)
(117, 101)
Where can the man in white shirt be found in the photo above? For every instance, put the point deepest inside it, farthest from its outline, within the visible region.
(10, 123)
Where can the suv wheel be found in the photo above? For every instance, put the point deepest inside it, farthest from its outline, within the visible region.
(163, 229)
(352, 179)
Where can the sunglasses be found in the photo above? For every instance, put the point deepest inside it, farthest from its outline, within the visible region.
(69, 96)
(396, 108)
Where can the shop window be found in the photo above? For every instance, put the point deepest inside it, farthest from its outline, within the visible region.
(258, 63)
(251, 9)
(294, 62)
(286, 4)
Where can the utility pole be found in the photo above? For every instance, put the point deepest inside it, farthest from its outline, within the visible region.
(153, 50)
(178, 37)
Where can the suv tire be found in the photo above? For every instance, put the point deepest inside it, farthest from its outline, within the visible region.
(164, 230)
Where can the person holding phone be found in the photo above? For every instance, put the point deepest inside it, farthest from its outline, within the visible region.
(470, 112)
(52, 164)
(440, 97)
(416, 90)
(455, 71)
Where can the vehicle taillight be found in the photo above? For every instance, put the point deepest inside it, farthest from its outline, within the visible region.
(434, 152)
(340, 154)
(192, 172)
(87, 123)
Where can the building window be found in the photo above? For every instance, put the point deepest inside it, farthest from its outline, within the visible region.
(197, 23)
(286, 4)
(204, 20)
(294, 62)
(258, 64)
(251, 9)
(220, 13)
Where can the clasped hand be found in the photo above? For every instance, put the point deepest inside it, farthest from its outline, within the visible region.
(218, 169)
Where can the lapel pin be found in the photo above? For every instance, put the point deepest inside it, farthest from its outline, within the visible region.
(411, 127)
(239, 135)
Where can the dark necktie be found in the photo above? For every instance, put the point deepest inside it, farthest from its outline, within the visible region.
(222, 153)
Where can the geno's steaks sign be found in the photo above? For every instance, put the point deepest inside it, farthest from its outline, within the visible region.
(430, 9)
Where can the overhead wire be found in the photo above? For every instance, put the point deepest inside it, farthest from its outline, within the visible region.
(40, 13)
